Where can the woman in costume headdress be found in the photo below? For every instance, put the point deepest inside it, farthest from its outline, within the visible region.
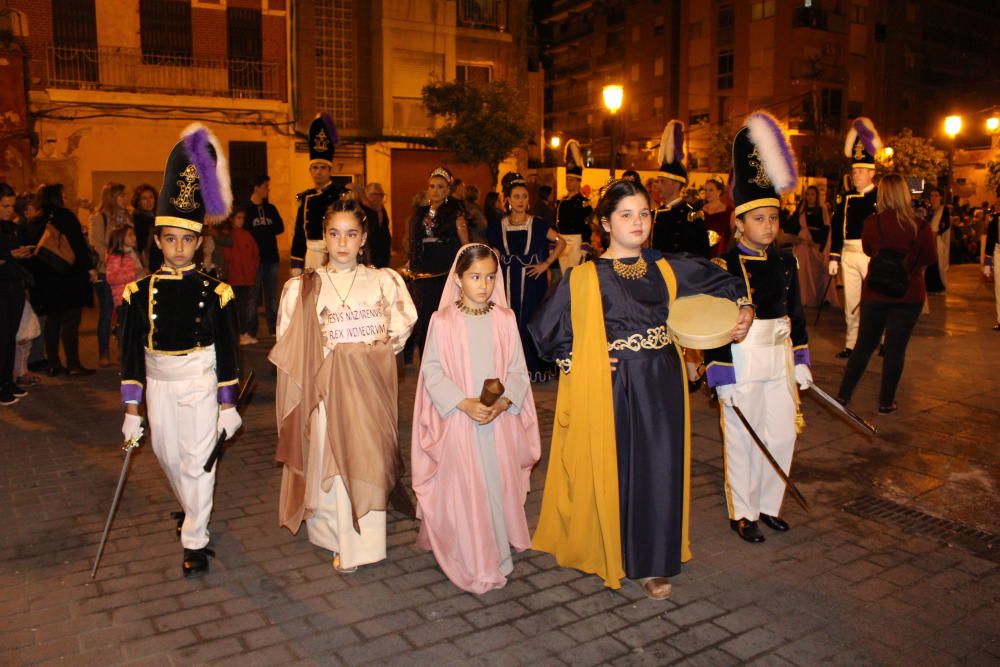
(339, 329)
(616, 492)
(472, 459)
(437, 230)
(522, 241)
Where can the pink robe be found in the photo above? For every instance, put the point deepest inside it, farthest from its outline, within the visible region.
(447, 479)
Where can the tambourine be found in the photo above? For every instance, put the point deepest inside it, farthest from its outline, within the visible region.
(702, 322)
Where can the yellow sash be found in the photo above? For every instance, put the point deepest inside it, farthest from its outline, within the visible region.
(580, 520)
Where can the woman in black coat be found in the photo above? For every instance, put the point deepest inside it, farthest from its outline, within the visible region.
(61, 296)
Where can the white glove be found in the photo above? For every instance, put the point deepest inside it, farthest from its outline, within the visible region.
(294, 273)
(987, 270)
(833, 268)
(132, 427)
(229, 421)
(726, 393)
(803, 376)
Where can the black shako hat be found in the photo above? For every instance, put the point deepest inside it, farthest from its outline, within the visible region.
(323, 139)
(573, 158)
(196, 186)
(763, 164)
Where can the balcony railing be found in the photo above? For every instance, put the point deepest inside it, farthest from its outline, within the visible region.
(819, 19)
(131, 70)
(483, 14)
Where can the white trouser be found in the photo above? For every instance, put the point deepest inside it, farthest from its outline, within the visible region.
(944, 255)
(996, 279)
(316, 254)
(764, 395)
(183, 411)
(854, 268)
(572, 253)
(331, 526)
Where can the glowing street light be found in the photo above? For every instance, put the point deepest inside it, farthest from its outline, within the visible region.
(952, 125)
(555, 141)
(993, 124)
(613, 96)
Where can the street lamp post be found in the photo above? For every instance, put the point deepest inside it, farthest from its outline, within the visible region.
(613, 96)
(952, 126)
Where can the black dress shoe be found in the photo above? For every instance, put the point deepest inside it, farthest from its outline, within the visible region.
(695, 385)
(843, 401)
(845, 353)
(774, 523)
(747, 529)
(17, 390)
(888, 409)
(179, 517)
(195, 561)
(80, 371)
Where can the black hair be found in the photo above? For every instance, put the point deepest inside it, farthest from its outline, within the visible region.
(348, 206)
(138, 192)
(544, 192)
(632, 175)
(354, 207)
(515, 183)
(259, 180)
(471, 193)
(717, 183)
(6, 190)
(473, 254)
(612, 195)
(490, 202)
(49, 197)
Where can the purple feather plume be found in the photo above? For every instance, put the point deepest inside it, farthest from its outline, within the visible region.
(679, 143)
(199, 149)
(331, 129)
(867, 134)
(774, 150)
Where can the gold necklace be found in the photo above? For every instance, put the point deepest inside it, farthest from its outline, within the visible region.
(343, 299)
(630, 271)
(473, 311)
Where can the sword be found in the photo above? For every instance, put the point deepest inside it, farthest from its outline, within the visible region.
(770, 459)
(852, 416)
(240, 401)
(127, 447)
(822, 301)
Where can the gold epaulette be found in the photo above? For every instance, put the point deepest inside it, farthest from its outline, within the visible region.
(129, 290)
(225, 293)
(721, 263)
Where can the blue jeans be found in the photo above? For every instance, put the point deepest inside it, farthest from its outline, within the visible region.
(107, 306)
(267, 283)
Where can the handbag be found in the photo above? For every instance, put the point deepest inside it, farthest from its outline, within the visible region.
(54, 250)
(888, 271)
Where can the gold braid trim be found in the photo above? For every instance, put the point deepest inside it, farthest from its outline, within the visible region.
(129, 290)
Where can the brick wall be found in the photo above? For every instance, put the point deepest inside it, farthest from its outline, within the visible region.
(208, 28)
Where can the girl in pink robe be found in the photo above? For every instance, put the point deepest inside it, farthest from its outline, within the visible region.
(471, 478)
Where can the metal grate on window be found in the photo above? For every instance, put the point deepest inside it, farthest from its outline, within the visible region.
(165, 32)
(335, 60)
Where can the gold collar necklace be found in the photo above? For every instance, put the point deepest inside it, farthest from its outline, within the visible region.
(473, 311)
(630, 271)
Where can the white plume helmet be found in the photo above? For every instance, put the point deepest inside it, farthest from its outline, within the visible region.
(671, 144)
(865, 128)
(572, 153)
(774, 151)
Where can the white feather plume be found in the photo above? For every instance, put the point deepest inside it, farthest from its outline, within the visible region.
(668, 149)
(572, 152)
(774, 151)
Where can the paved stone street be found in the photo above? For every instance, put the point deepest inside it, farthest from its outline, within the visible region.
(839, 589)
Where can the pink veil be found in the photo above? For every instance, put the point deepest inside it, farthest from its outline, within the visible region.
(451, 292)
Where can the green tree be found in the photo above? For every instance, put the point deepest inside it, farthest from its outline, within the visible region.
(720, 147)
(993, 176)
(484, 123)
(914, 157)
